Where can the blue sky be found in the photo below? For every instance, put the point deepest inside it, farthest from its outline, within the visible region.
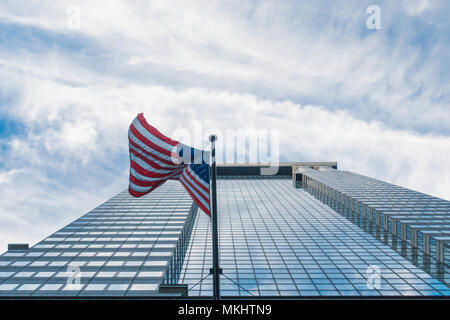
(376, 101)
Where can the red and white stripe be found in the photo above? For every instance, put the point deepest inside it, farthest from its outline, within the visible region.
(196, 188)
(154, 160)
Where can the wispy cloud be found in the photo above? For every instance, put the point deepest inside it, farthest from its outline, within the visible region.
(375, 101)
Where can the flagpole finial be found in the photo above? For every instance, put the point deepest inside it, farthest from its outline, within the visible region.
(212, 138)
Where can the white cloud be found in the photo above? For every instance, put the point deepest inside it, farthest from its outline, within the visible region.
(5, 177)
(417, 6)
(33, 206)
(99, 124)
(319, 56)
(308, 133)
(333, 92)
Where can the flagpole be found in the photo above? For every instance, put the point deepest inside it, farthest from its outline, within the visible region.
(216, 271)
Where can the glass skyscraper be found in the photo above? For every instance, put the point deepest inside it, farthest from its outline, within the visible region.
(310, 230)
(126, 247)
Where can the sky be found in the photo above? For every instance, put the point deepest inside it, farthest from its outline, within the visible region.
(73, 75)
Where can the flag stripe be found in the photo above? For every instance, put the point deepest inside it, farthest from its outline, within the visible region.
(201, 183)
(145, 179)
(146, 173)
(146, 164)
(140, 191)
(193, 186)
(150, 137)
(192, 180)
(139, 188)
(144, 148)
(155, 158)
(205, 209)
(160, 162)
(154, 131)
(201, 198)
(148, 143)
(194, 195)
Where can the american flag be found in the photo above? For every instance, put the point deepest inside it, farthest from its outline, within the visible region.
(155, 158)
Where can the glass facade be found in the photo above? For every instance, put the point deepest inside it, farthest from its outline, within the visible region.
(414, 224)
(125, 247)
(276, 240)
